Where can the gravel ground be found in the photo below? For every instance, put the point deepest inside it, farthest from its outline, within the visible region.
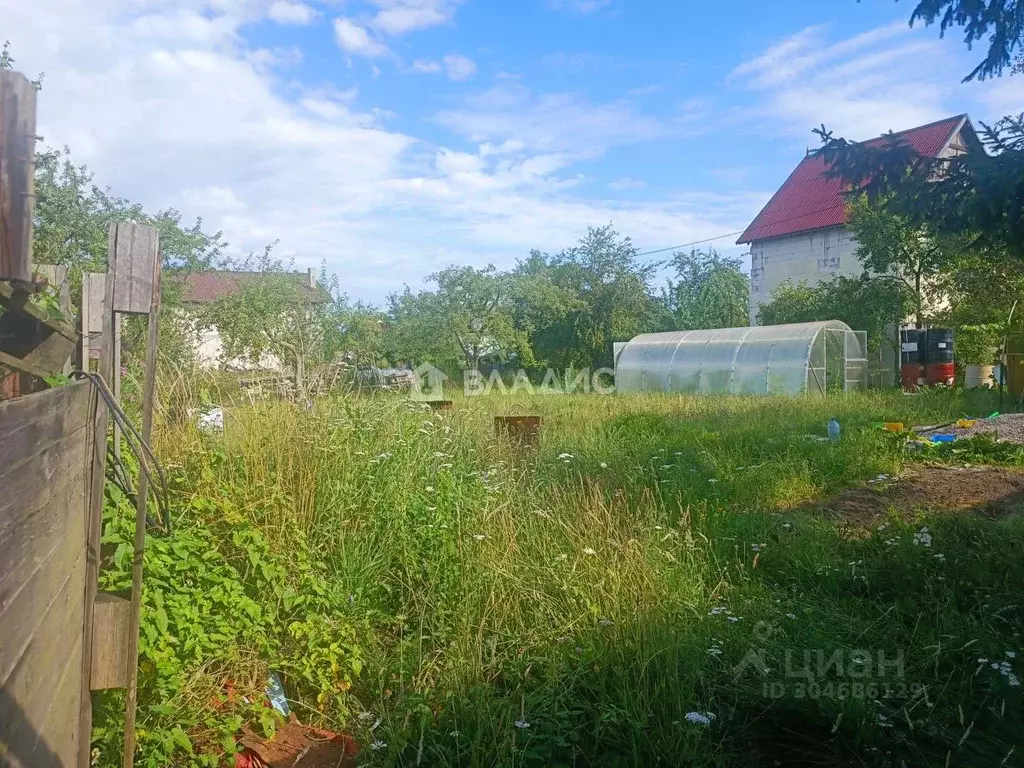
(1008, 427)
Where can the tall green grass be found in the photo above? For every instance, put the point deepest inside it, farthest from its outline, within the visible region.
(495, 606)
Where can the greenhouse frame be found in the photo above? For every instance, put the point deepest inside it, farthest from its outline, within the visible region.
(800, 358)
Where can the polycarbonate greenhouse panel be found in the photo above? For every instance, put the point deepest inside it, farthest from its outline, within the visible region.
(772, 359)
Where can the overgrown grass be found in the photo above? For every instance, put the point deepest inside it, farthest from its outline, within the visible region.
(655, 559)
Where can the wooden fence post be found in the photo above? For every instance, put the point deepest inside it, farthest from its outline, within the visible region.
(17, 175)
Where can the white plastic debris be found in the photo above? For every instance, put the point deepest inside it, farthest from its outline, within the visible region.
(211, 419)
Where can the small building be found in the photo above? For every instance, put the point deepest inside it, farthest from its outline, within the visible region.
(800, 235)
(206, 287)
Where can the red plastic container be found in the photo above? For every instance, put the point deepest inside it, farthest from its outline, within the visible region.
(940, 373)
(912, 376)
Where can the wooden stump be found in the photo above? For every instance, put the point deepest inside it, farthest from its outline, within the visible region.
(524, 430)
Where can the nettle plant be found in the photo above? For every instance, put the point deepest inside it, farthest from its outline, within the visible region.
(221, 610)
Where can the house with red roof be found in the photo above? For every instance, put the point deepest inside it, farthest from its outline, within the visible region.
(206, 287)
(801, 234)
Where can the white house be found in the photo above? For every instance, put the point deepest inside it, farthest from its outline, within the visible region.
(801, 235)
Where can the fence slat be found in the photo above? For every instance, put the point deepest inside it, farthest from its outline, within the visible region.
(17, 174)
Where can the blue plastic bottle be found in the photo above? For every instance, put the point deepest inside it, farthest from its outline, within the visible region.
(833, 429)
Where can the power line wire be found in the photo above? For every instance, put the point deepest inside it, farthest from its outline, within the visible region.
(731, 234)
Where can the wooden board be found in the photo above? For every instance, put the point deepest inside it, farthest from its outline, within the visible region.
(111, 625)
(44, 462)
(137, 250)
(17, 174)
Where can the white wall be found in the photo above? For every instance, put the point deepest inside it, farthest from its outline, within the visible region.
(808, 257)
(210, 354)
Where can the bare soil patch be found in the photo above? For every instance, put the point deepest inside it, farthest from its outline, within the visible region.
(298, 746)
(991, 492)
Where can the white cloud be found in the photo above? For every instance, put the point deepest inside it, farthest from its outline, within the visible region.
(889, 78)
(211, 126)
(355, 40)
(396, 17)
(625, 183)
(455, 67)
(426, 66)
(459, 67)
(286, 12)
(562, 122)
(582, 7)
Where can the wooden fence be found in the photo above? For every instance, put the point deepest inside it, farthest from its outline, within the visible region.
(59, 638)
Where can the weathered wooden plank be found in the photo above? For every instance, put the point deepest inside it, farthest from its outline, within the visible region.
(134, 267)
(61, 724)
(97, 460)
(33, 479)
(148, 395)
(110, 645)
(30, 424)
(30, 685)
(22, 612)
(17, 174)
(27, 544)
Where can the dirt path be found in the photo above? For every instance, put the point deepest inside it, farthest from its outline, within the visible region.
(991, 492)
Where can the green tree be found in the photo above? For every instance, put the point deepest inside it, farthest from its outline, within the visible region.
(601, 292)
(709, 291)
(865, 304)
(468, 317)
(888, 245)
(276, 317)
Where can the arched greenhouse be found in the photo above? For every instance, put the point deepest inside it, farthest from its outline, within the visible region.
(814, 358)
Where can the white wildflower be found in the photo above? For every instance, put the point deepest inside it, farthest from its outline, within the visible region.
(605, 622)
(715, 650)
(366, 715)
(939, 556)
(1011, 654)
(429, 489)
(787, 526)
(923, 538)
(756, 547)
(790, 615)
(479, 536)
(566, 456)
(378, 744)
(604, 465)
(733, 619)
(589, 551)
(712, 480)
(561, 557)
(522, 724)
(718, 610)
(699, 718)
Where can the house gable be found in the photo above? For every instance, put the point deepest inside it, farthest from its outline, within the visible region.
(810, 199)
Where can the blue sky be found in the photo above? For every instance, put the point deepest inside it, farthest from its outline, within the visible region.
(391, 138)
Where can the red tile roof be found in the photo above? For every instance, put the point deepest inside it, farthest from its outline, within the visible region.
(810, 199)
(206, 287)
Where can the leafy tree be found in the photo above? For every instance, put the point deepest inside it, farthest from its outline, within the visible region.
(888, 245)
(710, 291)
(275, 316)
(468, 317)
(865, 304)
(603, 294)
